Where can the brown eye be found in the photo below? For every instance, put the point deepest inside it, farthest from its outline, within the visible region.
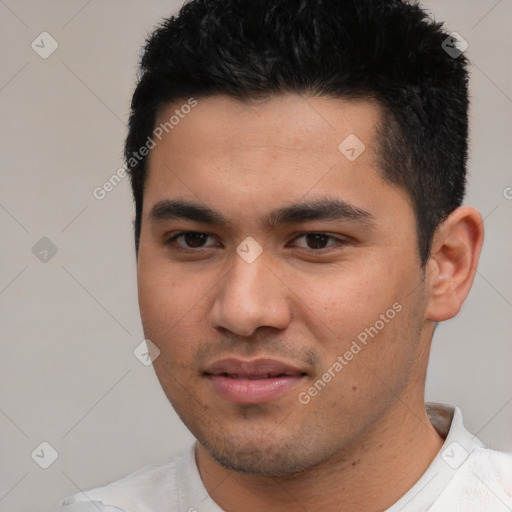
(195, 239)
(317, 241)
(192, 240)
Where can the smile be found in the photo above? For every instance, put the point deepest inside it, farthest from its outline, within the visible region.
(252, 382)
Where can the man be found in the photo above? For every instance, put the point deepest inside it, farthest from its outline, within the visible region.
(298, 169)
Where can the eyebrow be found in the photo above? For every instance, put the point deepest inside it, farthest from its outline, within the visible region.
(170, 209)
(317, 210)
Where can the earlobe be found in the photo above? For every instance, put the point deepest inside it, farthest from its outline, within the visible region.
(452, 265)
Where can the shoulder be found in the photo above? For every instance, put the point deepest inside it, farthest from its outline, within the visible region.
(492, 468)
(482, 482)
(144, 490)
(465, 475)
(481, 478)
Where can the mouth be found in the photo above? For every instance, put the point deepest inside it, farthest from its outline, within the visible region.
(252, 382)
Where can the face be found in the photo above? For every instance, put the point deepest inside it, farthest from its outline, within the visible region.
(279, 277)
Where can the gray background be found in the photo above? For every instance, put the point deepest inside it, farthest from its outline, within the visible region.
(69, 326)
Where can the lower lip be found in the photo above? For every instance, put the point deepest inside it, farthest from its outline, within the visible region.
(255, 391)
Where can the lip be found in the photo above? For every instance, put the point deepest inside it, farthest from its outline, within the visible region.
(255, 381)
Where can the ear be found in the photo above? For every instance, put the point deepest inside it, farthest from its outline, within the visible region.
(453, 260)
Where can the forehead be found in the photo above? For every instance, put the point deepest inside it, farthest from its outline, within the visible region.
(292, 122)
(240, 156)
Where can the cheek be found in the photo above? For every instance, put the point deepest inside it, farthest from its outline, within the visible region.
(345, 302)
(383, 345)
(166, 300)
(372, 307)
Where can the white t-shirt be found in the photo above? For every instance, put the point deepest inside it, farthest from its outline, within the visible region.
(465, 476)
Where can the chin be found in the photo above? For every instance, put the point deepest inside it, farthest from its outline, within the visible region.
(259, 457)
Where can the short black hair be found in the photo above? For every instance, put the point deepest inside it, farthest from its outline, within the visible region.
(390, 51)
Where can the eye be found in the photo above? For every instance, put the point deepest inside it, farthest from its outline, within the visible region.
(318, 241)
(192, 240)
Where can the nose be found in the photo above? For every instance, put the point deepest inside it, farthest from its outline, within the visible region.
(250, 296)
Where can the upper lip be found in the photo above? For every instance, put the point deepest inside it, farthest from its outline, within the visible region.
(253, 368)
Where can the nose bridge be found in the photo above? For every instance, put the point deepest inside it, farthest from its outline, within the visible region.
(250, 296)
(248, 278)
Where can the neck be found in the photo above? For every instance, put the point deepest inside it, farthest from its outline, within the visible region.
(370, 475)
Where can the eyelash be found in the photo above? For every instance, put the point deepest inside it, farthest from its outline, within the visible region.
(172, 241)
